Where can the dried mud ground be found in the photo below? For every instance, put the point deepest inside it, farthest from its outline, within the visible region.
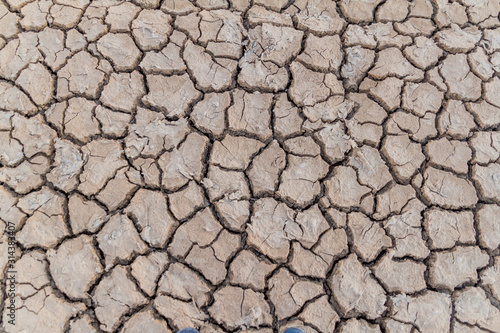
(246, 166)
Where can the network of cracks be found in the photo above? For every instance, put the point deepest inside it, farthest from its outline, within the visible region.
(250, 165)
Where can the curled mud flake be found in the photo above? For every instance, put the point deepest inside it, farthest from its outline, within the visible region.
(455, 120)
(358, 62)
(178, 6)
(184, 202)
(152, 133)
(306, 263)
(277, 44)
(35, 136)
(234, 212)
(323, 53)
(387, 92)
(68, 163)
(8, 209)
(250, 113)
(486, 147)
(8, 23)
(424, 53)
(320, 17)
(85, 215)
(421, 98)
(309, 225)
(334, 139)
(79, 120)
(490, 89)
(265, 169)
(204, 260)
(485, 114)
(167, 61)
(480, 64)
(27, 176)
(11, 151)
(264, 76)
(460, 40)
(393, 10)
(371, 168)
(259, 15)
(272, 4)
(224, 184)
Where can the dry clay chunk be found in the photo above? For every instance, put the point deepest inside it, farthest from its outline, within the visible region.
(447, 190)
(355, 290)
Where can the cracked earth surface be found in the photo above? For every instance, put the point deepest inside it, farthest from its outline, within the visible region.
(239, 165)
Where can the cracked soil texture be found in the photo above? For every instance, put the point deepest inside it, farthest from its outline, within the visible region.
(250, 165)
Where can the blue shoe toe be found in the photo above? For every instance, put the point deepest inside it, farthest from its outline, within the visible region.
(294, 330)
(189, 330)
